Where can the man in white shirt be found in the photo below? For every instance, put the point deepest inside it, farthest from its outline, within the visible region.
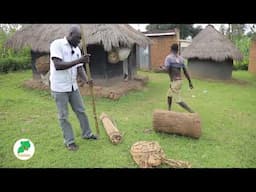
(66, 62)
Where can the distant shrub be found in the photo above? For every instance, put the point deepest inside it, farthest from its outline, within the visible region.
(243, 44)
(13, 61)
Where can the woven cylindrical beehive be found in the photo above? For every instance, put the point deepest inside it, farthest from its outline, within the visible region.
(123, 53)
(113, 57)
(43, 64)
(113, 133)
(187, 124)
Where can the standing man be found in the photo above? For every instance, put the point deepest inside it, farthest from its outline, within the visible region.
(173, 64)
(66, 62)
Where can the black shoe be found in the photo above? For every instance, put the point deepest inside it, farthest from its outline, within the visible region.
(72, 147)
(91, 137)
(125, 77)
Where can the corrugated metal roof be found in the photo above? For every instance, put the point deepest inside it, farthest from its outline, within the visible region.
(160, 34)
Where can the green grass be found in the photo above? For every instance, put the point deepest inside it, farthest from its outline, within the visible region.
(227, 112)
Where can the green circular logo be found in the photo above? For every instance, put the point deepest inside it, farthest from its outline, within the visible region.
(23, 149)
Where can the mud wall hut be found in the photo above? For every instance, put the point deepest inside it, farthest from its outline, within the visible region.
(104, 42)
(211, 55)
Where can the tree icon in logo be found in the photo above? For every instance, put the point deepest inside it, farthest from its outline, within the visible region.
(25, 145)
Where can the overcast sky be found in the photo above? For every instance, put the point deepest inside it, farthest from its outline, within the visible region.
(141, 27)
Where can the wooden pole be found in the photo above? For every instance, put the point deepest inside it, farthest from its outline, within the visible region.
(89, 78)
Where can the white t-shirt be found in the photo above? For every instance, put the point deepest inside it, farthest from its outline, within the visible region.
(63, 80)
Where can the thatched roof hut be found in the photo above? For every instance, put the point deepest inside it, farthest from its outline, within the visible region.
(39, 36)
(211, 44)
(211, 54)
(100, 40)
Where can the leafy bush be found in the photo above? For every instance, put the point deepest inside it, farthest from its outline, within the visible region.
(14, 64)
(243, 44)
(13, 61)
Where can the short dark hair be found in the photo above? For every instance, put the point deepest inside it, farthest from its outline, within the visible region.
(175, 47)
(74, 28)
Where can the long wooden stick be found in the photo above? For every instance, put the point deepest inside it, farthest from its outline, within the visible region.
(89, 78)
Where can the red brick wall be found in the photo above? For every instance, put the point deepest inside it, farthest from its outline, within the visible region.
(252, 58)
(160, 49)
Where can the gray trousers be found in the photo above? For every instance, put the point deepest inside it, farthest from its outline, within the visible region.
(125, 66)
(74, 98)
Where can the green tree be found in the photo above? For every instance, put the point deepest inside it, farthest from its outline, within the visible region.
(235, 31)
(10, 28)
(11, 60)
(223, 29)
(243, 44)
(252, 31)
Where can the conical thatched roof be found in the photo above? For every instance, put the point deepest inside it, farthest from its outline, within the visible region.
(39, 36)
(211, 44)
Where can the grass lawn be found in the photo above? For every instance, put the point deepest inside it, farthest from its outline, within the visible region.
(227, 112)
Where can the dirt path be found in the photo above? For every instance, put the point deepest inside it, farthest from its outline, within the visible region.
(112, 88)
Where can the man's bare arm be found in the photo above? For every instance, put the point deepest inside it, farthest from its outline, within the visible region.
(81, 72)
(62, 65)
(188, 77)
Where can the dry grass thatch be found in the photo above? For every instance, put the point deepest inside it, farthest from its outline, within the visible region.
(39, 36)
(211, 44)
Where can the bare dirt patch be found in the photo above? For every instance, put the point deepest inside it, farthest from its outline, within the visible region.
(112, 88)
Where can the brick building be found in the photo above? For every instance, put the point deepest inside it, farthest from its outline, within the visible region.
(252, 57)
(160, 47)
